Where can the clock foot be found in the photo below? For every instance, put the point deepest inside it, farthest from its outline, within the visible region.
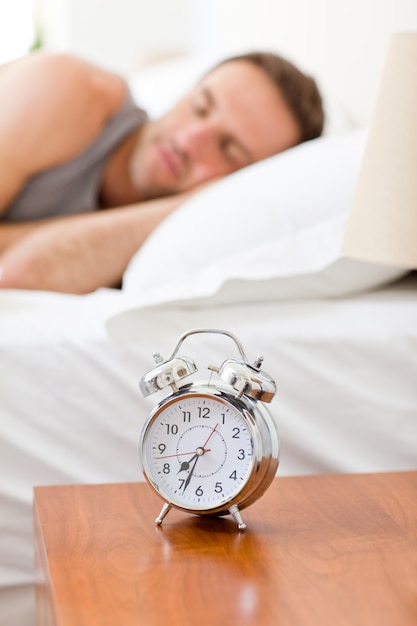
(165, 509)
(234, 510)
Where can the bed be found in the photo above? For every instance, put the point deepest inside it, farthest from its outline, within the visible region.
(339, 336)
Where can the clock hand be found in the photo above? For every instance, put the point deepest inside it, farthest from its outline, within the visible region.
(200, 451)
(209, 437)
(187, 482)
(185, 465)
(170, 456)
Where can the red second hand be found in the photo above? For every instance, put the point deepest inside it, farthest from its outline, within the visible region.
(169, 456)
(209, 437)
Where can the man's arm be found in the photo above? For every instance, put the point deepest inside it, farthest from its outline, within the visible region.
(11, 232)
(80, 253)
(52, 107)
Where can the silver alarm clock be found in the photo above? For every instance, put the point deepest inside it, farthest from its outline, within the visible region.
(210, 447)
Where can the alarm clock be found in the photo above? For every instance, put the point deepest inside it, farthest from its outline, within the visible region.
(210, 447)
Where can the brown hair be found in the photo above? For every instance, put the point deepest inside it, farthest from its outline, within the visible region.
(299, 90)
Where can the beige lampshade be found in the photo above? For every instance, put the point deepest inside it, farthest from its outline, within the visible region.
(382, 225)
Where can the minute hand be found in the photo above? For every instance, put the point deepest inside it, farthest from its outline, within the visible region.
(187, 482)
(199, 452)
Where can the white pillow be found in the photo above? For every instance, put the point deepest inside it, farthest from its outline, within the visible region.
(268, 232)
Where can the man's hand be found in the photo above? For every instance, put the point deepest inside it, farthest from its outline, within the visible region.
(81, 253)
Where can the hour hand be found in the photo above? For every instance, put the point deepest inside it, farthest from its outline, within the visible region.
(185, 465)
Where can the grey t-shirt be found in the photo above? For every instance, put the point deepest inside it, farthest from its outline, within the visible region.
(74, 186)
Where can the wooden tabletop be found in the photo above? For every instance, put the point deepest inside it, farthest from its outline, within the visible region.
(329, 550)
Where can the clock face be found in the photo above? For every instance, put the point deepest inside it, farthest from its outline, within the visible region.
(198, 451)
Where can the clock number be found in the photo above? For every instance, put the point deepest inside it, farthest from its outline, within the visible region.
(172, 429)
(203, 411)
(223, 417)
(241, 455)
(233, 475)
(182, 481)
(236, 432)
(186, 416)
(218, 488)
(166, 469)
(199, 492)
(162, 447)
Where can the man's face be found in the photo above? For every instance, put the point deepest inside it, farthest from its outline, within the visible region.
(234, 117)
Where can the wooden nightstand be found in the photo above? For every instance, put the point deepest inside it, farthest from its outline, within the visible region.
(329, 550)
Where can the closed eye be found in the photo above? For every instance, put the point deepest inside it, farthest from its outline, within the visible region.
(202, 102)
(232, 150)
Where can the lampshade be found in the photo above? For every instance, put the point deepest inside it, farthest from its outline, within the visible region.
(382, 225)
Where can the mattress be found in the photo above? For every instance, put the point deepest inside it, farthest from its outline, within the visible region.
(71, 410)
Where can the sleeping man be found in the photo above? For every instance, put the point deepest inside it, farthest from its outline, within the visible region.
(85, 175)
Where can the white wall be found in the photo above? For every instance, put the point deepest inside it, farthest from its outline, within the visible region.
(342, 42)
(119, 34)
(16, 28)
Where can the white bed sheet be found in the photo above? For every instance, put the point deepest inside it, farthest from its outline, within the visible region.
(71, 410)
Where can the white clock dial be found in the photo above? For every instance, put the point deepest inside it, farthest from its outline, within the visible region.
(198, 451)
